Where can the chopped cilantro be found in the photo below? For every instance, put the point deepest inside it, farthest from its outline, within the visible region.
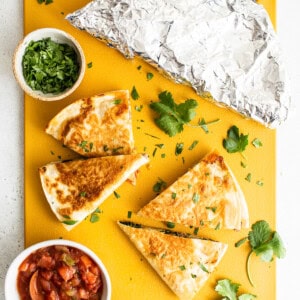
(212, 208)
(174, 195)
(203, 268)
(193, 275)
(244, 165)
(257, 143)
(248, 177)
(160, 145)
(196, 198)
(235, 142)
(182, 268)
(95, 215)
(45, 1)
(129, 214)
(204, 125)
(138, 108)
(159, 186)
(134, 93)
(90, 65)
(117, 195)
(265, 243)
(117, 101)
(50, 67)
(139, 67)
(170, 224)
(173, 116)
(69, 222)
(196, 229)
(149, 76)
(179, 148)
(193, 145)
(154, 152)
(94, 218)
(259, 182)
(228, 289)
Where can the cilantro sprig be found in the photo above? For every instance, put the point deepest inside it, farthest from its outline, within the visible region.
(172, 116)
(264, 242)
(235, 142)
(229, 290)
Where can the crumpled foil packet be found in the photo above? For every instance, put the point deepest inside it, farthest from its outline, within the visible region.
(227, 48)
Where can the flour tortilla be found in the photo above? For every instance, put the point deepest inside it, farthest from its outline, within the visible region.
(74, 189)
(183, 262)
(207, 195)
(96, 126)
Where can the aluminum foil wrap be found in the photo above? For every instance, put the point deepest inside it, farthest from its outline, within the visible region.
(227, 48)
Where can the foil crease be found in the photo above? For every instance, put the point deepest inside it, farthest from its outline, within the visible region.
(227, 48)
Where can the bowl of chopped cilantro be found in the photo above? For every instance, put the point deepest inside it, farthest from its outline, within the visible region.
(49, 64)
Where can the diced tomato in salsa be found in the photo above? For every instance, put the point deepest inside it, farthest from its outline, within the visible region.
(59, 273)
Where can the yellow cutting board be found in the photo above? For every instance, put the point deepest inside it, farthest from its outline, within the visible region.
(131, 276)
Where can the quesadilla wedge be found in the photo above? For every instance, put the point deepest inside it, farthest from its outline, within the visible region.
(96, 126)
(182, 261)
(207, 195)
(74, 189)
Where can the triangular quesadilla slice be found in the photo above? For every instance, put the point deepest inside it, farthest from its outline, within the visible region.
(74, 189)
(96, 126)
(207, 195)
(184, 262)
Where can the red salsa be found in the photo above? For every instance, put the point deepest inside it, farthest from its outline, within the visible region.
(58, 273)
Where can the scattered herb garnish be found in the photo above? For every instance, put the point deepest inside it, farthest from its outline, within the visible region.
(243, 164)
(152, 135)
(182, 268)
(117, 101)
(204, 125)
(159, 186)
(174, 195)
(50, 67)
(228, 289)
(160, 145)
(257, 143)
(134, 93)
(179, 148)
(212, 208)
(68, 220)
(138, 108)
(90, 65)
(139, 67)
(129, 214)
(86, 146)
(173, 116)
(149, 76)
(117, 195)
(203, 268)
(193, 145)
(235, 142)
(264, 242)
(248, 177)
(196, 198)
(259, 182)
(45, 1)
(170, 224)
(95, 215)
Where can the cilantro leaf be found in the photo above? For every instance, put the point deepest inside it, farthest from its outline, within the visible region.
(235, 142)
(229, 289)
(172, 116)
(265, 243)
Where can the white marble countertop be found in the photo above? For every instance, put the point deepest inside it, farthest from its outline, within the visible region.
(11, 159)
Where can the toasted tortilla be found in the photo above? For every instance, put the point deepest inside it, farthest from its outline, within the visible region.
(74, 189)
(207, 195)
(183, 262)
(96, 126)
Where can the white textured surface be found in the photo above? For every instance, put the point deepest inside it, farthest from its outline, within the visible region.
(11, 147)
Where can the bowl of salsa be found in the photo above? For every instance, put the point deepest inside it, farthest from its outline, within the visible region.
(57, 270)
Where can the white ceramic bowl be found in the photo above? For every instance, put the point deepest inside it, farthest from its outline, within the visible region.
(57, 36)
(12, 273)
